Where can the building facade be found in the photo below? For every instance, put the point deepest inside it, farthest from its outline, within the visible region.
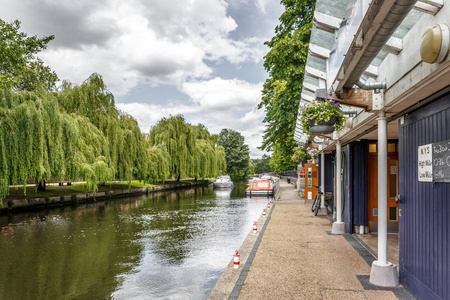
(389, 170)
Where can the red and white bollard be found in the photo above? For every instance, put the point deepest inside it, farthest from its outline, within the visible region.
(268, 205)
(236, 260)
(264, 212)
(255, 229)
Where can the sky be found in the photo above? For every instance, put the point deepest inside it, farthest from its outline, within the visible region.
(199, 58)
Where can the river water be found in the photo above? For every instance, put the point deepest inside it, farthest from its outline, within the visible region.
(172, 245)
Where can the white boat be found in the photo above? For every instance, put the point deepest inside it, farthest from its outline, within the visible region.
(223, 181)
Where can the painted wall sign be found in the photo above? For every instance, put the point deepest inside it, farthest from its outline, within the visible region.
(441, 161)
(425, 161)
(434, 162)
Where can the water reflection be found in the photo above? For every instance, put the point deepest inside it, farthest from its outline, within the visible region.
(170, 245)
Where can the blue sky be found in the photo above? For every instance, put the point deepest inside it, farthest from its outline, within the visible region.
(199, 58)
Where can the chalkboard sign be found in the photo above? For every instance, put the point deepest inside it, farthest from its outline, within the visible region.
(441, 161)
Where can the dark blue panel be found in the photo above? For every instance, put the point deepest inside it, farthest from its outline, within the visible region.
(346, 191)
(329, 174)
(425, 209)
(359, 182)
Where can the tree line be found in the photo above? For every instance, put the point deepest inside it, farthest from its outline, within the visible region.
(76, 132)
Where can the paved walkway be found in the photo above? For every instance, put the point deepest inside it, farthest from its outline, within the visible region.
(297, 258)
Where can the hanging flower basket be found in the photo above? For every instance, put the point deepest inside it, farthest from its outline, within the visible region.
(322, 116)
(322, 126)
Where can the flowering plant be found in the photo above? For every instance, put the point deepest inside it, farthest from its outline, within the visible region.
(321, 111)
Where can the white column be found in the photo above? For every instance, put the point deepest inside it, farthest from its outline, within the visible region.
(338, 226)
(338, 183)
(382, 273)
(382, 189)
(322, 178)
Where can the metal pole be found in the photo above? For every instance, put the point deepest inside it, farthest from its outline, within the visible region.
(322, 179)
(338, 183)
(382, 188)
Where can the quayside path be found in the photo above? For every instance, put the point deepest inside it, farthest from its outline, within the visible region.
(299, 258)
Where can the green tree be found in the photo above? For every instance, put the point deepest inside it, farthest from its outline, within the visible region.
(285, 63)
(236, 152)
(262, 164)
(192, 150)
(175, 136)
(43, 137)
(20, 68)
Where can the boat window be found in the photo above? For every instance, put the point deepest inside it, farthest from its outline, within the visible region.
(263, 184)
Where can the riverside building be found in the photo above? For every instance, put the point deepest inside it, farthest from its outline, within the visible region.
(387, 63)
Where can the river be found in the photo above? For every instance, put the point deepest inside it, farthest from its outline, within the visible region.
(172, 245)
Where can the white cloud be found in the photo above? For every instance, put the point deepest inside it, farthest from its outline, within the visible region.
(223, 94)
(261, 4)
(136, 41)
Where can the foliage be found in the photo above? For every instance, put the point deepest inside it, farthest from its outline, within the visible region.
(301, 155)
(237, 154)
(281, 159)
(47, 136)
(322, 111)
(285, 63)
(262, 164)
(20, 68)
(192, 150)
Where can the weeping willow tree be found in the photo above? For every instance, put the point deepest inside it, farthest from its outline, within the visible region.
(209, 160)
(76, 133)
(175, 136)
(192, 151)
(41, 143)
(130, 156)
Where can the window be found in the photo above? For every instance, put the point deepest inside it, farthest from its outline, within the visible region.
(393, 170)
(391, 147)
(393, 214)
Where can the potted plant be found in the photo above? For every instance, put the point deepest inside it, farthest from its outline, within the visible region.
(322, 116)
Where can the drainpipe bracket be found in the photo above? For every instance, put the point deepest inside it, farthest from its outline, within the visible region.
(377, 100)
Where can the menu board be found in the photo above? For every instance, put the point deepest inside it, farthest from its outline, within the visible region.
(434, 162)
(441, 161)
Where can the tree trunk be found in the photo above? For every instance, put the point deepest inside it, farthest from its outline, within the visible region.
(178, 179)
(41, 186)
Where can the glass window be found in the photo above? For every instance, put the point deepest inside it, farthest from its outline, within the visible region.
(391, 147)
(393, 214)
(309, 176)
(393, 170)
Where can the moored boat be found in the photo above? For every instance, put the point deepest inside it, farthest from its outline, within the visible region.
(223, 181)
(260, 187)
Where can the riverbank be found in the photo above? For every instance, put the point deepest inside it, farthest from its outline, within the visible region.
(56, 196)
